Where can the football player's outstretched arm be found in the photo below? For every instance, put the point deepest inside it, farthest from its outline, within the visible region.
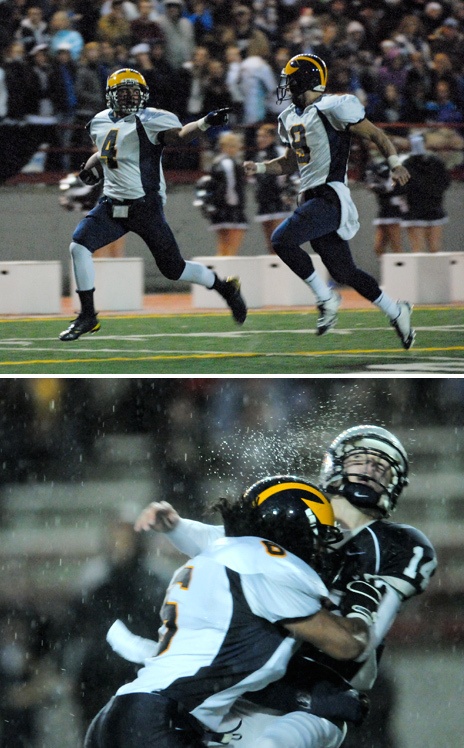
(285, 164)
(367, 130)
(340, 638)
(191, 130)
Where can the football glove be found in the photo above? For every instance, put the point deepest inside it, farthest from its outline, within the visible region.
(89, 176)
(326, 700)
(218, 117)
(363, 598)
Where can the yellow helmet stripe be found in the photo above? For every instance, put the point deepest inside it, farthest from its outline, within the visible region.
(318, 502)
(289, 68)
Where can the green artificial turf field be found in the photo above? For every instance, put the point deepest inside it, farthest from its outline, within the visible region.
(279, 342)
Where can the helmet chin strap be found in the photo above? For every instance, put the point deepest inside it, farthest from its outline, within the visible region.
(359, 494)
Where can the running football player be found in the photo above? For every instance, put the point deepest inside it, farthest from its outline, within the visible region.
(316, 129)
(232, 618)
(130, 138)
(365, 469)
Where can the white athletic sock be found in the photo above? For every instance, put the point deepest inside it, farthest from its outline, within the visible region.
(195, 272)
(84, 270)
(387, 305)
(319, 288)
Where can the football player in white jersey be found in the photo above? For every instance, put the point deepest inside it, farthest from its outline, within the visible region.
(232, 618)
(316, 129)
(130, 140)
(365, 469)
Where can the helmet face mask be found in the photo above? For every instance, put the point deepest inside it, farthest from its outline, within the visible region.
(302, 73)
(126, 92)
(287, 510)
(368, 466)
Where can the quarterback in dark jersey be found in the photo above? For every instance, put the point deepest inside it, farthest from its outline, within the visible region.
(130, 138)
(316, 130)
(365, 470)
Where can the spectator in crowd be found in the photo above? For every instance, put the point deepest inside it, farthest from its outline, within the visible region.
(144, 29)
(90, 95)
(63, 33)
(20, 98)
(199, 14)
(169, 93)
(216, 95)
(257, 84)
(433, 16)
(129, 9)
(114, 26)
(442, 107)
(267, 19)
(33, 29)
(44, 108)
(179, 33)
(450, 40)
(250, 40)
(64, 96)
(410, 37)
(273, 196)
(86, 19)
(233, 60)
(443, 69)
(141, 60)
(194, 74)
(425, 194)
(228, 187)
(419, 71)
(414, 105)
(394, 70)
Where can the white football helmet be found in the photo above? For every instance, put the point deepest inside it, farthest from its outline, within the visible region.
(372, 440)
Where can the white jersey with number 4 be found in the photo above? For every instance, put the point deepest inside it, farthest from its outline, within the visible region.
(130, 151)
(219, 637)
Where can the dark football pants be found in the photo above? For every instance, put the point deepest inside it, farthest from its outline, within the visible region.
(138, 720)
(317, 221)
(146, 218)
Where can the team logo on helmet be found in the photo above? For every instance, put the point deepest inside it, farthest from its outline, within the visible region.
(365, 440)
(131, 81)
(302, 73)
(287, 510)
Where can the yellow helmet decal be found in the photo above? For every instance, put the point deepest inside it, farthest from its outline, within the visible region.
(291, 68)
(126, 76)
(312, 497)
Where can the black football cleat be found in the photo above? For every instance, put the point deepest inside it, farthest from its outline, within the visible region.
(80, 326)
(231, 293)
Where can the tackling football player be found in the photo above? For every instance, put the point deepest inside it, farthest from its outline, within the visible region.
(365, 470)
(130, 138)
(316, 129)
(232, 618)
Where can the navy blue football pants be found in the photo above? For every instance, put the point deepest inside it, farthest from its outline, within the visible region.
(317, 221)
(138, 720)
(146, 218)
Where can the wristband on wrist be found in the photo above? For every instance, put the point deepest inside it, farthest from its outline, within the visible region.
(261, 168)
(202, 125)
(393, 162)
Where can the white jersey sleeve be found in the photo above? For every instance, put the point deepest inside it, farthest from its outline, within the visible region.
(158, 120)
(341, 111)
(192, 537)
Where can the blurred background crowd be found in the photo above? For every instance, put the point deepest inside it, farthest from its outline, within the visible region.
(79, 458)
(403, 58)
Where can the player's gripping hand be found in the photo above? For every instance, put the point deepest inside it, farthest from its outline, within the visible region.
(159, 516)
(363, 598)
(92, 175)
